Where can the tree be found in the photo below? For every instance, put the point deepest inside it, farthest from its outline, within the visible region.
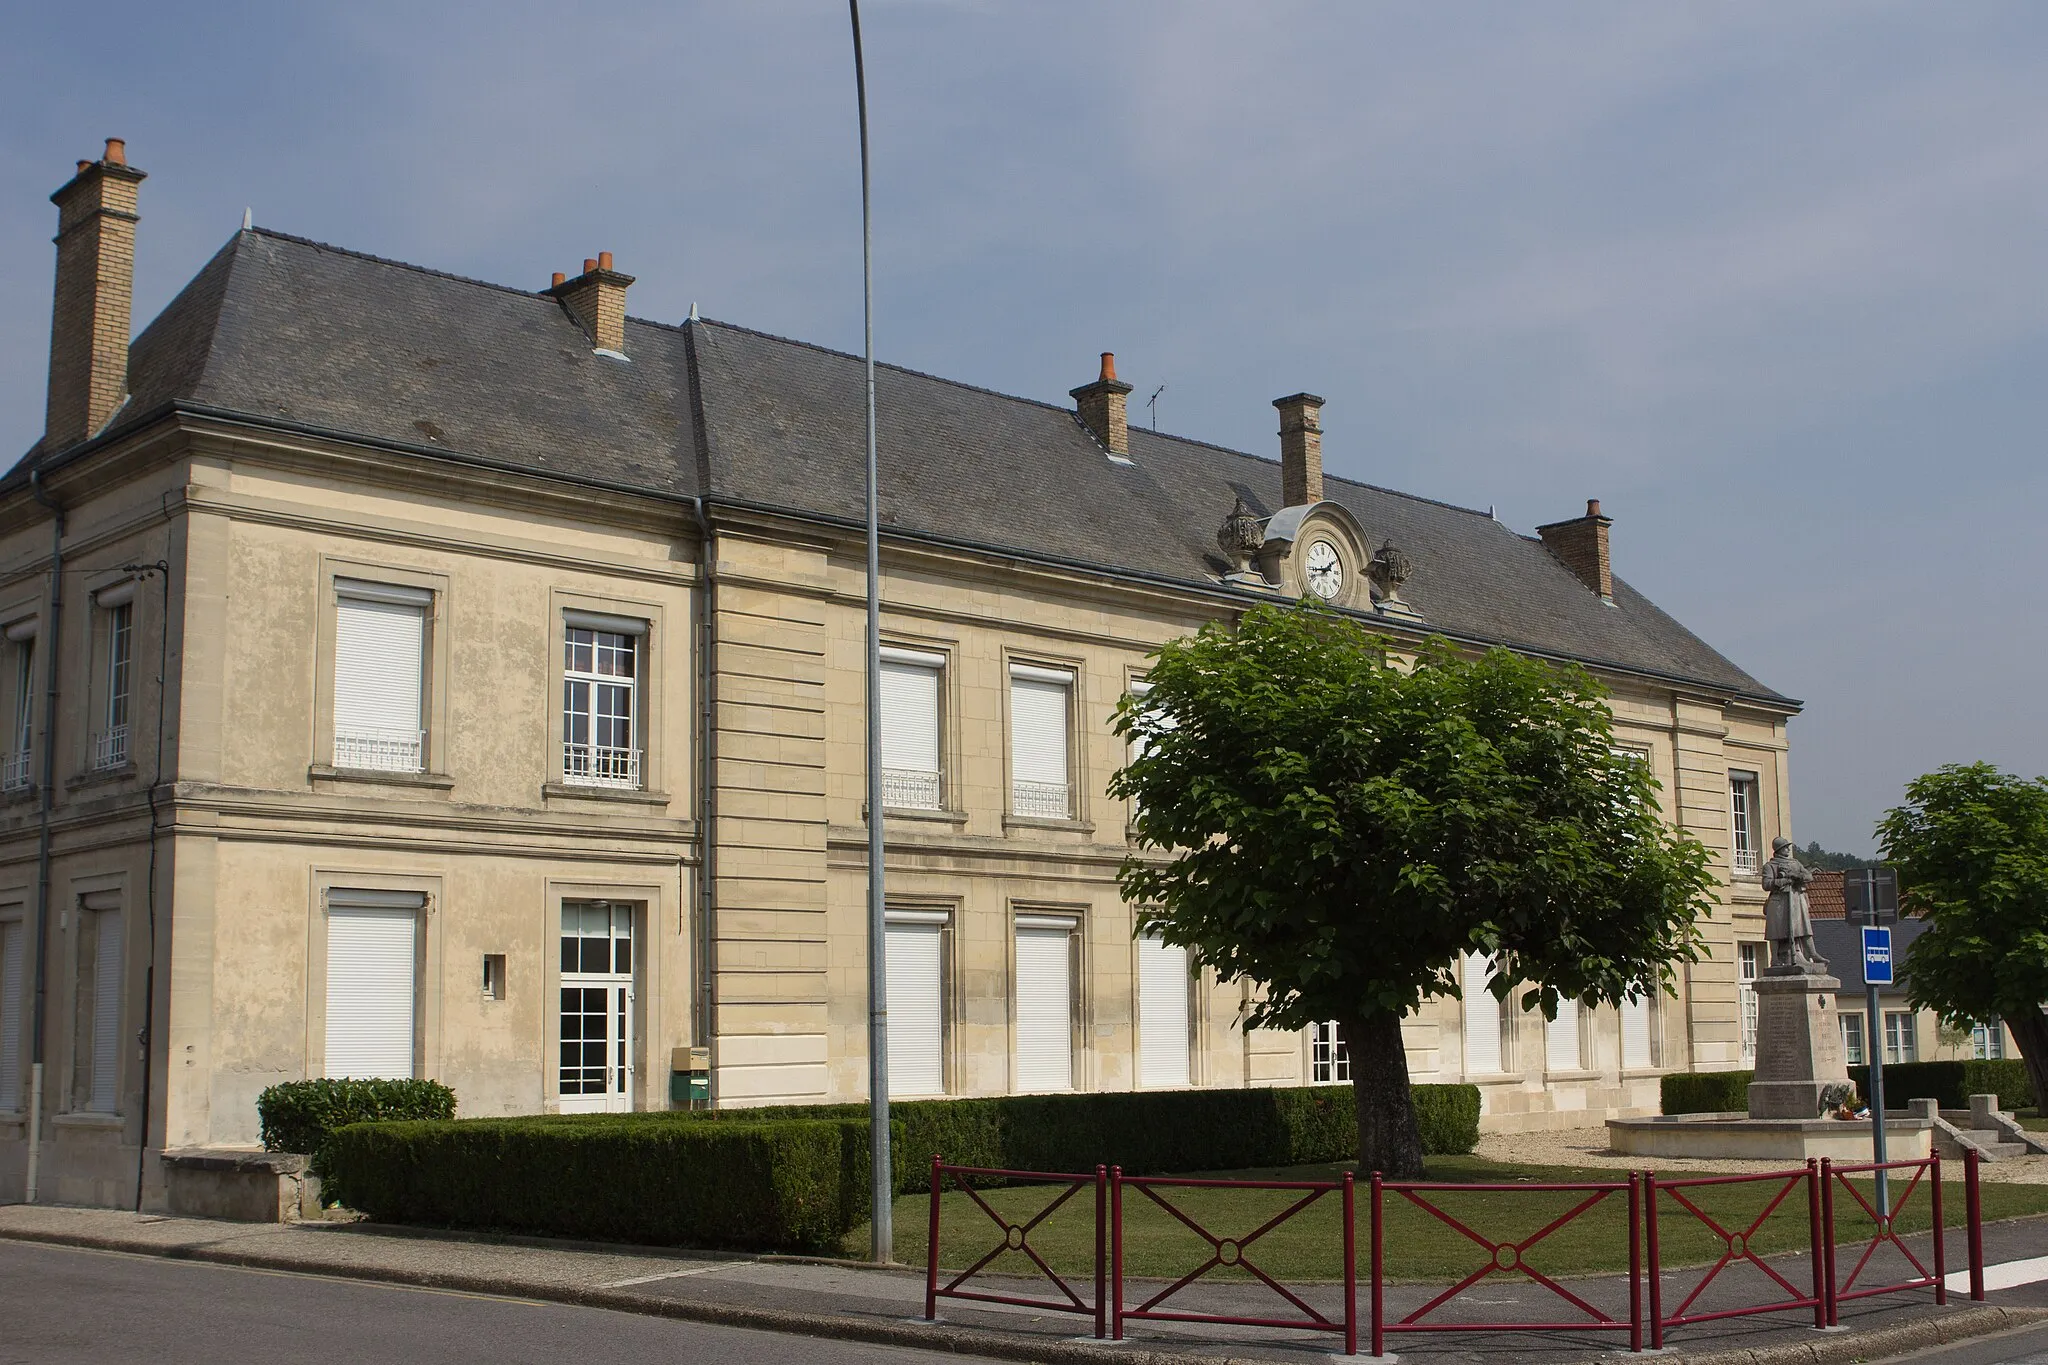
(1814, 856)
(1317, 819)
(1971, 849)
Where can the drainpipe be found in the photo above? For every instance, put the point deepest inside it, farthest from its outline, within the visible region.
(144, 1036)
(706, 1023)
(44, 796)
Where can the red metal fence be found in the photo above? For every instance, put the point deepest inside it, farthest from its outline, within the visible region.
(1649, 1202)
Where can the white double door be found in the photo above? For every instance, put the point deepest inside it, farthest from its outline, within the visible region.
(597, 999)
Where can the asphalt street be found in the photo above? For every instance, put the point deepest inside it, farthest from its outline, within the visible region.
(2028, 1346)
(59, 1305)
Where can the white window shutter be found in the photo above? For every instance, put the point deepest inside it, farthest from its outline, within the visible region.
(916, 1009)
(910, 734)
(1045, 1010)
(1038, 741)
(1482, 1017)
(372, 956)
(1561, 1039)
(1162, 1013)
(106, 1011)
(1635, 1033)
(379, 670)
(13, 963)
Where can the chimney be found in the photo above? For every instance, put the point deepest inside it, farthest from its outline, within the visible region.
(1101, 408)
(597, 300)
(1301, 449)
(1581, 546)
(95, 283)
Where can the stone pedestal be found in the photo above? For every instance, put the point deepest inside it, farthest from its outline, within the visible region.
(1798, 1046)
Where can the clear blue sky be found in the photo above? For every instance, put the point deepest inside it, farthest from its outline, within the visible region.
(1768, 280)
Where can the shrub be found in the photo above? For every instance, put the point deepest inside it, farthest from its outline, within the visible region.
(1449, 1115)
(665, 1179)
(1950, 1084)
(1706, 1092)
(297, 1116)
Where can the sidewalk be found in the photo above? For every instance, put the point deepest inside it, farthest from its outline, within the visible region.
(885, 1306)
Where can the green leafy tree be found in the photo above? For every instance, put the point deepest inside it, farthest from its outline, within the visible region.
(1814, 856)
(1338, 828)
(1971, 848)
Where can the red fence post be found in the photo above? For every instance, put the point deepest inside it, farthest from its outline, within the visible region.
(1101, 1247)
(1635, 1261)
(1350, 1269)
(1116, 1248)
(1827, 1228)
(931, 1251)
(1656, 1267)
(1973, 1218)
(1816, 1244)
(1940, 1250)
(1379, 1340)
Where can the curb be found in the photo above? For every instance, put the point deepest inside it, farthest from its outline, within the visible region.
(993, 1343)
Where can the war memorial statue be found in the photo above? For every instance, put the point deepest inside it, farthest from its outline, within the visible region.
(1787, 923)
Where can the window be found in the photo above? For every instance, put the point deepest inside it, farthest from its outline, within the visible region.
(1748, 962)
(1852, 1039)
(16, 764)
(1987, 1041)
(910, 729)
(1563, 1045)
(1742, 818)
(1484, 1021)
(1639, 1032)
(97, 1059)
(917, 1002)
(13, 964)
(115, 643)
(372, 971)
(600, 700)
(1039, 704)
(1329, 1059)
(1164, 1006)
(380, 634)
(1139, 747)
(1900, 1044)
(1045, 1002)
(597, 1006)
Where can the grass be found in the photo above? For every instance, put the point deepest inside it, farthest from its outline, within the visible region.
(1418, 1246)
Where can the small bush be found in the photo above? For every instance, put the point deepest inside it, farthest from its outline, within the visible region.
(1449, 1115)
(1950, 1084)
(297, 1116)
(1706, 1092)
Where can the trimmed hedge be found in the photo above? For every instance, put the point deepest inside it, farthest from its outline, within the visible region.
(1951, 1083)
(297, 1116)
(1706, 1092)
(666, 1179)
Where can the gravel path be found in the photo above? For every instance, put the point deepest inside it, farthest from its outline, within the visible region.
(1588, 1147)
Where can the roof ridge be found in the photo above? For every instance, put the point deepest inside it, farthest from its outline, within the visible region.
(450, 275)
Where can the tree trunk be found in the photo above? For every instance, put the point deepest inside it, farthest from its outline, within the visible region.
(2030, 1031)
(1389, 1141)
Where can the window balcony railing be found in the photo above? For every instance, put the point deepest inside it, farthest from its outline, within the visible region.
(599, 765)
(384, 751)
(110, 750)
(1745, 862)
(909, 789)
(1040, 800)
(15, 772)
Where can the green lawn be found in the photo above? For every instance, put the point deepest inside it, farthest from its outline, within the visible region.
(1418, 1245)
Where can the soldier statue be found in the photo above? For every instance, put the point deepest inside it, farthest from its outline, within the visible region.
(1786, 921)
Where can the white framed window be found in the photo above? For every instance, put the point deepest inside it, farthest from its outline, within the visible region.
(100, 970)
(910, 705)
(916, 971)
(1564, 1044)
(1165, 1006)
(380, 652)
(1041, 706)
(13, 969)
(1901, 1041)
(1639, 1041)
(372, 982)
(1748, 966)
(601, 670)
(1987, 1041)
(1045, 1002)
(1329, 1058)
(1141, 689)
(17, 764)
(597, 1003)
(1744, 843)
(1852, 1038)
(1485, 1022)
(113, 701)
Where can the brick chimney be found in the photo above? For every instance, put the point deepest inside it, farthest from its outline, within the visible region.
(1301, 448)
(597, 300)
(1101, 408)
(1581, 546)
(95, 283)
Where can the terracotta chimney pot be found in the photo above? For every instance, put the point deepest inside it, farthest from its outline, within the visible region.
(117, 151)
(1100, 406)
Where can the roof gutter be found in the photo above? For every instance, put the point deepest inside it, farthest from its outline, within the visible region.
(39, 1024)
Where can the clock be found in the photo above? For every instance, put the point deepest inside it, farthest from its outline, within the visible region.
(1324, 569)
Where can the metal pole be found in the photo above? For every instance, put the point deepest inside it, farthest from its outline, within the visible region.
(1635, 1261)
(1656, 1270)
(880, 1179)
(1973, 1223)
(1874, 1027)
(1350, 1266)
(1940, 1242)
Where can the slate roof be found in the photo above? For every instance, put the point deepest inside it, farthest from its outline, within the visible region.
(1840, 942)
(278, 328)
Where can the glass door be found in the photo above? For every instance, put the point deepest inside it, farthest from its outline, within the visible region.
(596, 1074)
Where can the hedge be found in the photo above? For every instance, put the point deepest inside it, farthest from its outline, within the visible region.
(786, 1185)
(1951, 1083)
(297, 1116)
(1706, 1092)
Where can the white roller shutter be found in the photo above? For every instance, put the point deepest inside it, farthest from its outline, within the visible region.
(1045, 1008)
(1635, 1034)
(910, 729)
(1561, 1039)
(379, 658)
(372, 961)
(13, 952)
(106, 1011)
(1482, 1017)
(1038, 741)
(1162, 1013)
(916, 1008)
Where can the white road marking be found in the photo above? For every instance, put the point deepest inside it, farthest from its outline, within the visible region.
(666, 1275)
(2003, 1275)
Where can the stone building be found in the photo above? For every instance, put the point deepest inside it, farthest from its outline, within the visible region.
(408, 675)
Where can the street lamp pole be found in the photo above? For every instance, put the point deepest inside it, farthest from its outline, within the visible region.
(880, 1180)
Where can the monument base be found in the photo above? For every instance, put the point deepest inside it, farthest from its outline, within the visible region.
(1725, 1137)
(1798, 1046)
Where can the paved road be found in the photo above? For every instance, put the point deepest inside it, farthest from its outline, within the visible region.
(59, 1305)
(2028, 1346)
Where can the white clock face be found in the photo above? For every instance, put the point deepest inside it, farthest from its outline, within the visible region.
(1324, 569)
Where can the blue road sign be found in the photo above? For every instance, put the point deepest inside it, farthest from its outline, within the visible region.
(1877, 955)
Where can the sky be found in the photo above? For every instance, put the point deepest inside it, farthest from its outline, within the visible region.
(1767, 280)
